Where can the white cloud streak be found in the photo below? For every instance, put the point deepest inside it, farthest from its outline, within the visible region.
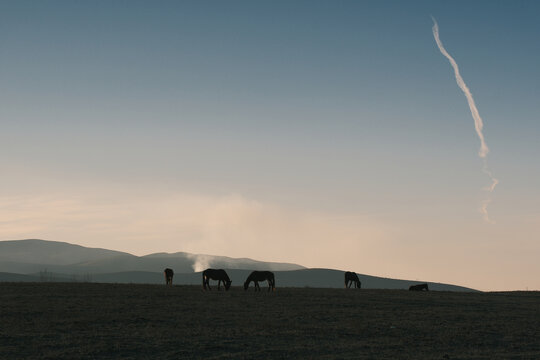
(478, 123)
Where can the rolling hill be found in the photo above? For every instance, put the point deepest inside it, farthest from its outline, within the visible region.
(40, 260)
(33, 256)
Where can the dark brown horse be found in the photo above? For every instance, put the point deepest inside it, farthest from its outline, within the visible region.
(219, 275)
(169, 273)
(352, 278)
(257, 276)
(419, 287)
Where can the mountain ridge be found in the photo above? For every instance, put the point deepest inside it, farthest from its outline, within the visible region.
(34, 255)
(110, 266)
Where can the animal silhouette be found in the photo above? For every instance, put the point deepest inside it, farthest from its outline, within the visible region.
(419, 287)
(257, 276)
(169, 273)
(219, 275)
(351, 278)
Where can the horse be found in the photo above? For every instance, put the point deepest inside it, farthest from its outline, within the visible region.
(351, 278)
(168, 276)
(419, 287)
(257, 276)
(219, 275)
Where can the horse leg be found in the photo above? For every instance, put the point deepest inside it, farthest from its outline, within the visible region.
(218, 284)
(205, 282)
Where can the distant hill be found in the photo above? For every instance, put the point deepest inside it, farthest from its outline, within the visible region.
(315, 278)
(33, 256)
(20, 262)
(10, 277)
(34, 251)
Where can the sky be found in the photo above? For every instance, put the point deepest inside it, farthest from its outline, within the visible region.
(328, 134)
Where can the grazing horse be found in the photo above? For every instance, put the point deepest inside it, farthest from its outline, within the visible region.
(219, 275)
(418, 287)
(257, 276)
(352, 278)
(168, 276)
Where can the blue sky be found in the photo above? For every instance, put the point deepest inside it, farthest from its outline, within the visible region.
(342, 115)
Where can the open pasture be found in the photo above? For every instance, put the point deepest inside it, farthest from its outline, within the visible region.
(108, 321)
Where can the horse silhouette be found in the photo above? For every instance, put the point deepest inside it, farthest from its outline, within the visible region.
(257, 276)
(351, 278)
(219, 275)
(169, 273)
(419, 287)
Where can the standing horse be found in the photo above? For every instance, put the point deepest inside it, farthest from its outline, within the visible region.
(257, 276)
(219, 275)
(419, 287)
(352, 278)
(169, 273)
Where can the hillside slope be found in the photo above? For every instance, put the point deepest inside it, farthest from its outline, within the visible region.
(63, 262)
(308, 278)
(33, 256)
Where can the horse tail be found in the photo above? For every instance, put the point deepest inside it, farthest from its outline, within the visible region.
(203, 281)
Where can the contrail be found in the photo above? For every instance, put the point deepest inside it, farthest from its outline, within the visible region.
(478, 123)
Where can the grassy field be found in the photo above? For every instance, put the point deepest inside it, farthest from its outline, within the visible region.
(109, 321)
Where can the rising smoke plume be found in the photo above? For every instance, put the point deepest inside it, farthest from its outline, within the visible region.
(478, 123)
(200, 262)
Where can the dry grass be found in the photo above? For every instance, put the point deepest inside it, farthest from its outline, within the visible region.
(108, 321)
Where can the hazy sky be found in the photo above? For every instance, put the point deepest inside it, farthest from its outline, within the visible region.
(324, 133)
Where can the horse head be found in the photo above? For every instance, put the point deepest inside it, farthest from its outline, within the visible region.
(228, 284)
